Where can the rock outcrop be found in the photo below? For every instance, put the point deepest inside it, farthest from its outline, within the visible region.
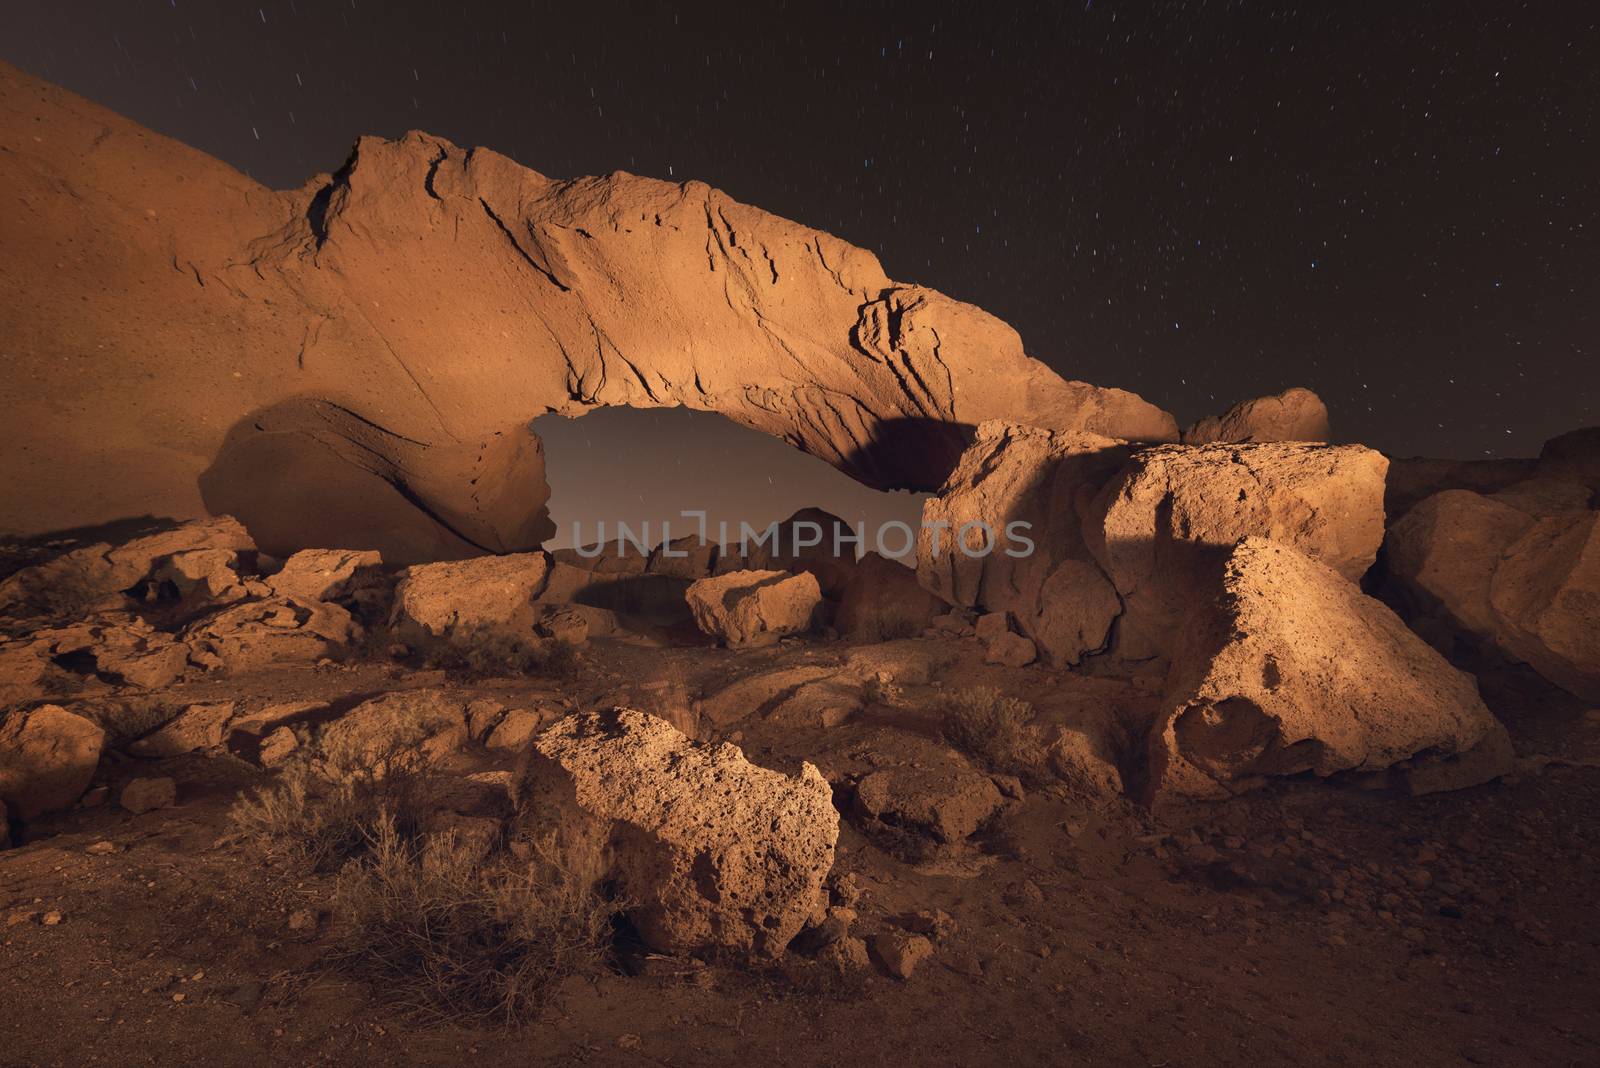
(749, 608)
(1519, 571)
(1071, 532)
(1172, 510)
(355, 362)
(1288, 668)
(715, 855)
(97, 576)
(47, 758)
(1005, 535)
(1294, 415)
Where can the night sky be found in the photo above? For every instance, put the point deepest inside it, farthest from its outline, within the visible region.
(1395, 204)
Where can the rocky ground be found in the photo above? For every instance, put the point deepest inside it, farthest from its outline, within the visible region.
(1305, 922)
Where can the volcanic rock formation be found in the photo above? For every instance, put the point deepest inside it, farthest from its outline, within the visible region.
(355, 363)
(1334, 683)
(1294, 415)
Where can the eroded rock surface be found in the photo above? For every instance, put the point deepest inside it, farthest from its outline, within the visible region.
(1041, 572)
(717, 855)
(1172, 510)
(1296, 414)
(746, 608)
(1289, 668)
(1517, 570)
(377, 340)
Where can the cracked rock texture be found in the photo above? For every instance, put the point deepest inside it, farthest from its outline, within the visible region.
(355, 363)
(716, 855)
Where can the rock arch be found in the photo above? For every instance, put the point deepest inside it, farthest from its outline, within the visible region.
(404, 319)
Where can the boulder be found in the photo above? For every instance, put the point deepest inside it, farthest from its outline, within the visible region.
(199, 579)
(945, 801)
(516, 729)
(495, 593)
(99, 575)
(121, 650)
(1173, 511)
(257, 634)
(1445, 550)
(1414, 479)
(882, 600)
(199, 726)
(47, 758)
(403, 730)
(567, 623)
(148, 794)
(1296, 414)
(811, 540)
(1288, 668)
(1010, 650)
(1545, 596)
(715, 855)
(1526, 582)
(687, 557)
(1004, 535)
(899, 953)
(751, 608)
(325, 574)
(1573, 457)
(992, 625)
(277, 747)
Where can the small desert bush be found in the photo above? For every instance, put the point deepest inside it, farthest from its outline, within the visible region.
(323, 821)
(889, 622)
(446, 933)
(984, 723)
(440, 926)
(485, 653)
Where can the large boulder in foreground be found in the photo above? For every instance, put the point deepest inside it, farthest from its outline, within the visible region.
(1518, 570)
(47, 758)
(715, 855)
(1004, 535)
(752, 608)
(1289, 668)
(1294, 415)
(1162, 523)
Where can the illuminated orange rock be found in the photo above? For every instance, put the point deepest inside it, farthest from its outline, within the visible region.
(1288, 668)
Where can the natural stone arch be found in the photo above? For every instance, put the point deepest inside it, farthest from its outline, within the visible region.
(404, 319)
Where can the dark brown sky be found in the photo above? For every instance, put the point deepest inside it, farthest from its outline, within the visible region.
(1394, 203)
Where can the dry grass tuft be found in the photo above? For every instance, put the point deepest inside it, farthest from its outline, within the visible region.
(445, 934)
(986, 724)
(440, 926)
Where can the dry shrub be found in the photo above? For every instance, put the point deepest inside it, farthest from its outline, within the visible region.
(440, 926)
(984, 723)
(447, 934)
(889, 622)
(487, 653)
(322, 822)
